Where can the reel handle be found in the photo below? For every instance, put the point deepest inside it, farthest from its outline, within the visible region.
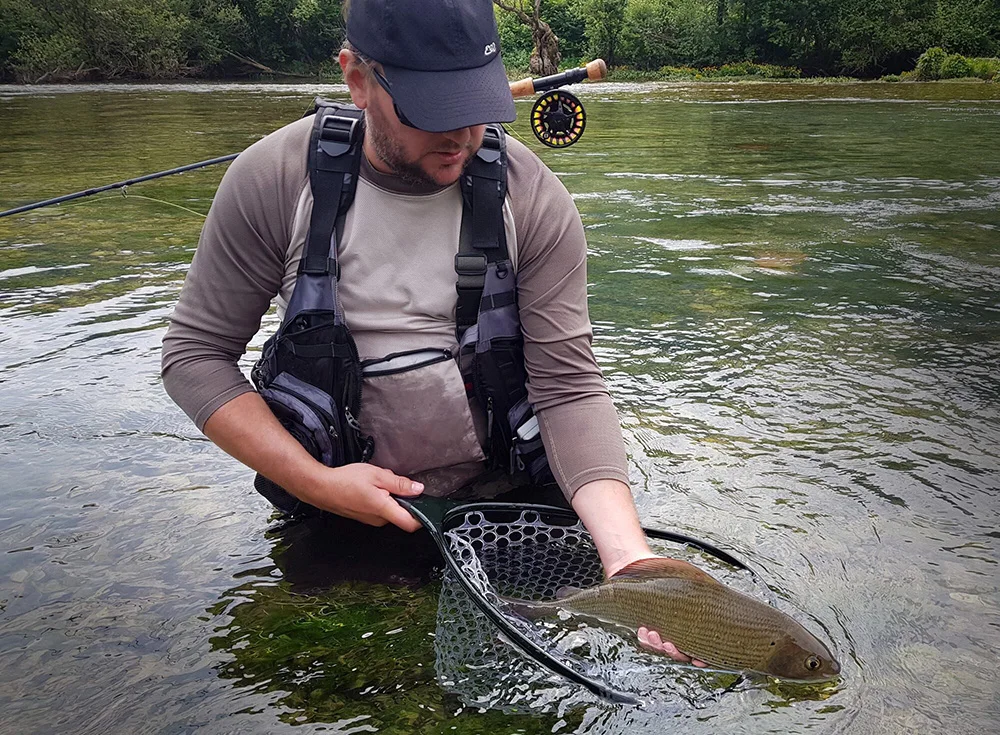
(594, 71)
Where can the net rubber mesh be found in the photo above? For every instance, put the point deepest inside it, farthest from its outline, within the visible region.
(531, 557)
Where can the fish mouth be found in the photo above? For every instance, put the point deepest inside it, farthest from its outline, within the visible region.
(828, 676)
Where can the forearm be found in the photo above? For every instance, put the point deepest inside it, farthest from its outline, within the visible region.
(607, 510)
(583, 442)
(246, 429)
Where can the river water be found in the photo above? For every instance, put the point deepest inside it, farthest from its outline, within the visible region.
(794, 290)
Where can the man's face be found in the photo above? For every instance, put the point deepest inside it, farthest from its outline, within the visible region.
(414, 155)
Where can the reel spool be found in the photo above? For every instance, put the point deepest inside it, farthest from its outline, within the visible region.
(558, 118)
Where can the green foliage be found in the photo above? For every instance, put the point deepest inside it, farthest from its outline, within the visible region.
(515, 40)
(119, 37)
(955, 67)
(604, 24)
(970, 27)
(75, 39)
(930, 62)
(739, 70)
(649, 37)
(985, 68)
(936, 63)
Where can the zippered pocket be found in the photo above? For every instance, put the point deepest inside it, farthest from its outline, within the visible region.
(309, 414)
(402, 362)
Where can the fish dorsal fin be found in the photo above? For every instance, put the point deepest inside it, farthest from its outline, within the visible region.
(657, 567)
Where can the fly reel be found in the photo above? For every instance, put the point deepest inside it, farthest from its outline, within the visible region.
(558, 118)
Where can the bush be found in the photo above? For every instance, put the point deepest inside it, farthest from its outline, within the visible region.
(955, 66)
(936, 63)
(988, 68)
(891, 78)
(930, 62)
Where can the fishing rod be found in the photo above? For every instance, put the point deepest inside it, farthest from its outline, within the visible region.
(557, 120)
(118, 185)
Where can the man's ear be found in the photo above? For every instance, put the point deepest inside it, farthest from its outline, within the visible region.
(355, 77)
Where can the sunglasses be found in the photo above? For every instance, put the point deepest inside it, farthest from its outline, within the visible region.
(384, 84)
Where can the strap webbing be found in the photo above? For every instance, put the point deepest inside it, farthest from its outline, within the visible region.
(334, 161)
(483, 238)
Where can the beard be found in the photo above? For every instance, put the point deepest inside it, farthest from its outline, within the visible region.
(392, 154)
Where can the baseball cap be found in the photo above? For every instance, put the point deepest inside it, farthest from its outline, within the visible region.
(440, 57)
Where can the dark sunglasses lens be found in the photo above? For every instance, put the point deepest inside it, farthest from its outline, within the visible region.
(402, 117)
(384, 83)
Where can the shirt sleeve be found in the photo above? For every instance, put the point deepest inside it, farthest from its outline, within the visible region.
(236, 271)
(579, 423)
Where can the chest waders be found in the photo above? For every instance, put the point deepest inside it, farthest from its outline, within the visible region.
(309, 372)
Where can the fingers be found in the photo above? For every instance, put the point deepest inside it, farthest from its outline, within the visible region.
(398, 516)
(651, 640)
(399, 485)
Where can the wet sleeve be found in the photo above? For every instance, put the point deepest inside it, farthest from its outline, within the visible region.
(237, 269)
(579, 423)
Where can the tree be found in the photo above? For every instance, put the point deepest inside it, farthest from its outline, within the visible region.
(545, 44)
(605, 21)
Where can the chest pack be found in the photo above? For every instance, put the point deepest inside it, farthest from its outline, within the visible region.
(309, 372)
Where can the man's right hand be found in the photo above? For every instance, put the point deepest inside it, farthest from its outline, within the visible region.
(365, 493)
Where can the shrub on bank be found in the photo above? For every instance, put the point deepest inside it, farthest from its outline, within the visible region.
(936, 63)
(741, 69)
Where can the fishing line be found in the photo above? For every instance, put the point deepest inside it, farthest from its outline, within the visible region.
(162, 201)
(117, 185)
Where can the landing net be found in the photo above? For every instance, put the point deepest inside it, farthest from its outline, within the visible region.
(527, 556)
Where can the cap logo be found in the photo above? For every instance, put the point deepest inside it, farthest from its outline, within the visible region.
(491, 48)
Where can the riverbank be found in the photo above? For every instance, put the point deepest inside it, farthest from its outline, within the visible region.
(933, 66)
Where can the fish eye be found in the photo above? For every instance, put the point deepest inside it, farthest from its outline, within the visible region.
(813, 663)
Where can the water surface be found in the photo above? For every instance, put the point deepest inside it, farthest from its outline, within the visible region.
(794, 292)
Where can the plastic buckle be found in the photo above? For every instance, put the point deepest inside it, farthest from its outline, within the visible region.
(337, 135)
(470, 264)
(489, 151)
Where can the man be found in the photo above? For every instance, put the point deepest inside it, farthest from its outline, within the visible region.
(428, 76)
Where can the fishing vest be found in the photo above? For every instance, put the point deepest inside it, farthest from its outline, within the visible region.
(310, 373)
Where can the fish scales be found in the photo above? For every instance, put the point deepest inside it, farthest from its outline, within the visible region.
(691, 614)
(703, 618)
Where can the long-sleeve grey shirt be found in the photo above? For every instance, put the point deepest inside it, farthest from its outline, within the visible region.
(251, 243)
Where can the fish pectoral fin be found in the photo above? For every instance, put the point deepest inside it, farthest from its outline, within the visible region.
(526, 609)
(568, 591)
(662, 566)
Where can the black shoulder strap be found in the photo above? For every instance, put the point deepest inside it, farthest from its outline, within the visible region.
(334, 161)
(483, 238)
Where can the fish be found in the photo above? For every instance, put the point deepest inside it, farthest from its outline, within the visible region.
(702, 617)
